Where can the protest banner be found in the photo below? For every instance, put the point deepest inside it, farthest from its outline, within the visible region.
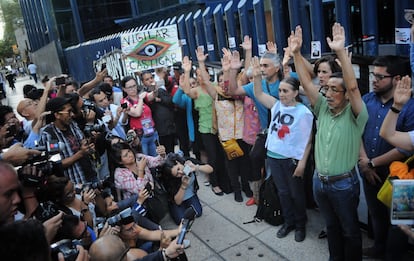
(148, 49)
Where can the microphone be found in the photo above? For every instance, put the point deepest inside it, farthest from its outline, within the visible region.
(51, 147)
(189, 216)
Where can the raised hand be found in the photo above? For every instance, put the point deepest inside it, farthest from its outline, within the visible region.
(201, 56)
(295, 40)
(186, 64)
(402, 92)
(235, 63)
(247, 43)
(256, 67)
(271, 47)
(338, 38)
(225, 61)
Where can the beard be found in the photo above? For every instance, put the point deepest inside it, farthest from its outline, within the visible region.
(385, 90)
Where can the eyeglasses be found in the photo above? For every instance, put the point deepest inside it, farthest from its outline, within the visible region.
(66, 112)
(131, 87)
(332, 89)
(380, 77)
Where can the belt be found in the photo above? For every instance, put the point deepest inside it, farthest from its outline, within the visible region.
(331, 179)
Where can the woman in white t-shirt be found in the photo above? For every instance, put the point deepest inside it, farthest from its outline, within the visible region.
(288, 147)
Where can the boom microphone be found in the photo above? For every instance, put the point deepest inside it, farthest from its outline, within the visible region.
(189, 216)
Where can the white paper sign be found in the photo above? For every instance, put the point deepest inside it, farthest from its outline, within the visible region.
(315, 49)
(402, 35)
(151, 48)
(262, 49)
(232, 42)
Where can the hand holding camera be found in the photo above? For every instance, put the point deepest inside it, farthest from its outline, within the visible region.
(149, 189)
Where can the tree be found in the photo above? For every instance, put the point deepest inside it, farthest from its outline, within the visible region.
(11, 12)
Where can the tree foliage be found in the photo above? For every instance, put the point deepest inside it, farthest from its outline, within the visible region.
(11, 13)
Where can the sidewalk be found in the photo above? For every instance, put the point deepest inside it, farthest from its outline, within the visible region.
(219, 234)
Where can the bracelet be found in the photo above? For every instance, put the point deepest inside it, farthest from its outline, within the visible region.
(395, 110)
(183, 188)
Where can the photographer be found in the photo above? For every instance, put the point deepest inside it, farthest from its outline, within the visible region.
(11, 131)
(75, 156)
(179, 177)
(109, 114)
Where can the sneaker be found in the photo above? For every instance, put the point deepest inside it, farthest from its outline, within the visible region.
(371, 252)
(238, 196)
(300, 234)
(186, 243)
(284, 230)
(250, 202)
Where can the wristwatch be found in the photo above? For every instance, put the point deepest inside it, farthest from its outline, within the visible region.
(371, 164)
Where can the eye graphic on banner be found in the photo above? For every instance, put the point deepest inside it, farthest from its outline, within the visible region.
(149, 50)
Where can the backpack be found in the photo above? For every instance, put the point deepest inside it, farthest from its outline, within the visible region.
(269, 208)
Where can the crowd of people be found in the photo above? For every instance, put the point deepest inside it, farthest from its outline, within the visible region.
(94, 169)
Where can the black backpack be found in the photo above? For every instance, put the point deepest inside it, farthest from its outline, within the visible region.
(269, 208)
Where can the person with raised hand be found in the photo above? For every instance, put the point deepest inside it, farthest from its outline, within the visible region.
(342, 116)
(288, 146)
(403, 140)
(203, 103)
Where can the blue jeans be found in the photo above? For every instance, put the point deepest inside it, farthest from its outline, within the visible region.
(177, 211)
(338, 202)
(291, 191)
(148, 144)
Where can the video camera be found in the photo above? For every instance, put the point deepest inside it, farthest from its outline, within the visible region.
(49, 162)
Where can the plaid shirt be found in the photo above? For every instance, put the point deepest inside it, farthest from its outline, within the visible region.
(129, 183)
(75, 172)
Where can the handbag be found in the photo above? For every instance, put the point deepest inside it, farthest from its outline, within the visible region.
(398, 170)
(231, 147)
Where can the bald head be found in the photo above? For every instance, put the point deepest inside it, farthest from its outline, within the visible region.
(107, 248)
(27, 108)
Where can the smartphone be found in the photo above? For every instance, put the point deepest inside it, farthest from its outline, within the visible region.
(103, 66)
(124, 105)
(60, 80)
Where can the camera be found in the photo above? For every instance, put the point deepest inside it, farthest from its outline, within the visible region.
(60, 80)
(103, 66)
(88, 105)
(122, 218)
(45, 211)
(124, 105)
(89, 128)
(149, 189)
(67, 248)
(11, 131)
(187, 170)
(49, 162)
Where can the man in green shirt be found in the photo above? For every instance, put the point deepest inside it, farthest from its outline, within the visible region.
(342, 116)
